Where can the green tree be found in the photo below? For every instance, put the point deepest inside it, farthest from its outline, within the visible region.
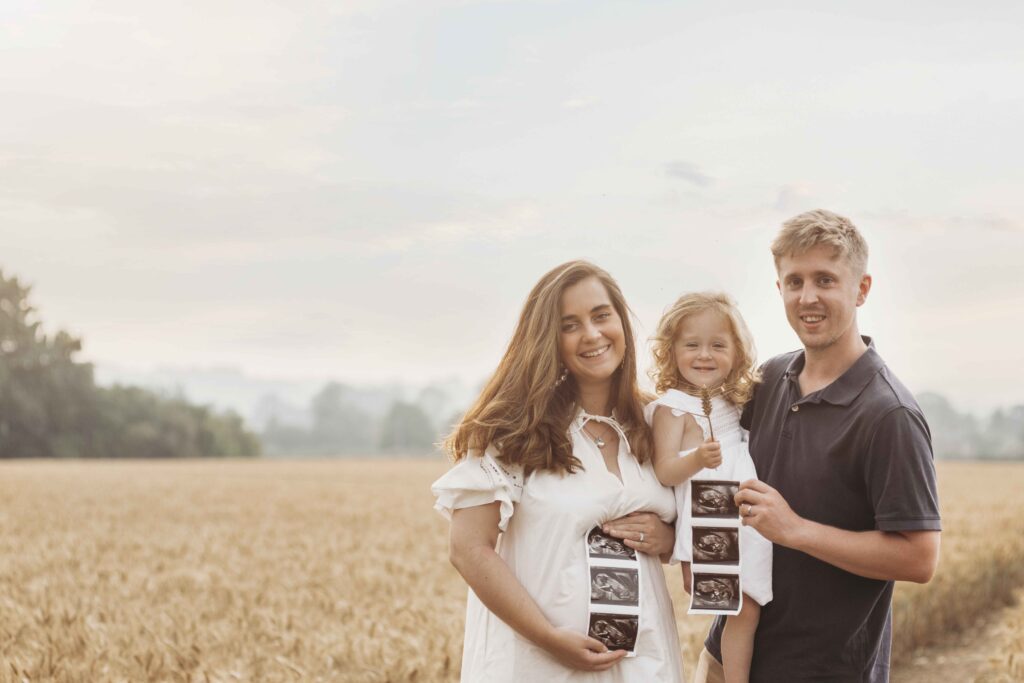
(339, 424)
(954, 435)
(406, 428)
(137, 423)
(45, 406)
(50, 405)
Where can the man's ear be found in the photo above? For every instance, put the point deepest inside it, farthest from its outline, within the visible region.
(863, 288)
(778, 286)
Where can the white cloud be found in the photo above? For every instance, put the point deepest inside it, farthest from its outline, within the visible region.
(689, 172)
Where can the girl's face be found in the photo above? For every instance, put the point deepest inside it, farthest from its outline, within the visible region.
(591, 341)
(704, 349)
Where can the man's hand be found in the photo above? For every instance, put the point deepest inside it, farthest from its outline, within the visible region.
(764, 509)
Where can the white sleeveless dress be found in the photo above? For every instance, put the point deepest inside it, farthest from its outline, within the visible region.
(755, 550)
(544, 520)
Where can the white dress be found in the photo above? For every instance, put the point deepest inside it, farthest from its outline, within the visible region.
(545, 520)
(755, 550)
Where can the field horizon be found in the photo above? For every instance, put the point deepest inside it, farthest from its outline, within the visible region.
(321, 569)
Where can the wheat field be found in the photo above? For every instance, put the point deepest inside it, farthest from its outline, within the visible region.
(336, 571)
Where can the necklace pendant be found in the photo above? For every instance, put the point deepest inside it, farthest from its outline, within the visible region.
(600, 442)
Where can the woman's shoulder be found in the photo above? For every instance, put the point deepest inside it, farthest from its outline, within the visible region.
(486, 468)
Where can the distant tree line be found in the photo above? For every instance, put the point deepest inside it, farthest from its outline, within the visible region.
(999, 436)
(342, 424)
(50, 406)
(342, 420)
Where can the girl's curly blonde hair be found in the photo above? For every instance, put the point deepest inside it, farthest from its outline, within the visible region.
(739, 385)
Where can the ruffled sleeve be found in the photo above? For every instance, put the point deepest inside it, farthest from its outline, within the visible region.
(479, 480)
(672, 399)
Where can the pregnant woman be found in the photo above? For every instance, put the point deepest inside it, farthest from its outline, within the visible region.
(555, 445)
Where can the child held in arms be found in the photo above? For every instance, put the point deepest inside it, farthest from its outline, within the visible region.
(702, 346)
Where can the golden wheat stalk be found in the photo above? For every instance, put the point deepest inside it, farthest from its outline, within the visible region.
(705, 402)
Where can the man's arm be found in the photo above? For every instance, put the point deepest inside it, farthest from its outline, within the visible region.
(885, 555)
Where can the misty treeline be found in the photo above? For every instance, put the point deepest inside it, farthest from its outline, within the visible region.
(51, 407)
(344, 420)
(998, 436)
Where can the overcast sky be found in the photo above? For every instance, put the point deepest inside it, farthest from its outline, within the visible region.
(367, 190)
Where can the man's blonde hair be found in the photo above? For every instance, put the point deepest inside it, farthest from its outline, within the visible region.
(817, 227)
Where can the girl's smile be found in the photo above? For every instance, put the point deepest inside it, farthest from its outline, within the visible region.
(704, 349)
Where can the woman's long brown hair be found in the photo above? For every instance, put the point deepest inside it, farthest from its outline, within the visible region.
(522, 412)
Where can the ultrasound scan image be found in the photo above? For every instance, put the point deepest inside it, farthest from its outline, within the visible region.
(714, 498)
(716, 546)
(601, 545)
(717, 592)
(616, 631)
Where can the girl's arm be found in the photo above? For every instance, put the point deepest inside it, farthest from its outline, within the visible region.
(672, 433)
(474, 533)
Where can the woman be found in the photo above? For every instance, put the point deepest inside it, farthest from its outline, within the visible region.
(555, 445)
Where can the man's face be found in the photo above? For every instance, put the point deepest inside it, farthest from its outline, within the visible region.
(821, 294)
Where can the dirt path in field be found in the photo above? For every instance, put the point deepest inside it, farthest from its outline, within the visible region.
(961, 658)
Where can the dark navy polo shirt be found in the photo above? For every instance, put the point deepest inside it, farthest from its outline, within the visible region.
(854, 455)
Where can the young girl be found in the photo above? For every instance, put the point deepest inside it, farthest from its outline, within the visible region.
(703, 342)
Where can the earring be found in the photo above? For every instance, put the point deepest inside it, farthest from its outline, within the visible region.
(562, 377)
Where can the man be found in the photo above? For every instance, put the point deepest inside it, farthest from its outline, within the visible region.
(847, 483)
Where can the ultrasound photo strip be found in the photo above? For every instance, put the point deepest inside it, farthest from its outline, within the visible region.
(614, 591)
(716, 558)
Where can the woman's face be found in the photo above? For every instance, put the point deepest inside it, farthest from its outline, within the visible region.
(592, 343)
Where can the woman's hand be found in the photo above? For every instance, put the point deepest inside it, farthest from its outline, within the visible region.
(643, 531)
(578, 651)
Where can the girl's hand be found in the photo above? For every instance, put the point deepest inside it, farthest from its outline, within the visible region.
(709, 454)
(658, 538)
(578, 651)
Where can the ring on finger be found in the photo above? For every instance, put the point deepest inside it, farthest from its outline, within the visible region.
(641, 537)
(747, 512)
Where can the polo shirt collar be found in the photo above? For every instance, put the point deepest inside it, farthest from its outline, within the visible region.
(848, 386)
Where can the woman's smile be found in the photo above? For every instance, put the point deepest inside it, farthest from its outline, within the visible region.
(596, 353)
